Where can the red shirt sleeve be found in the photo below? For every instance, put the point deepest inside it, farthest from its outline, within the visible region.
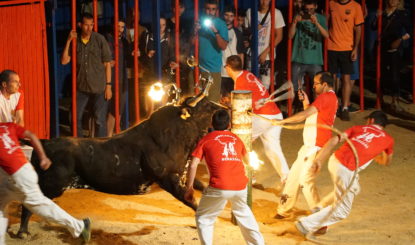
(20, 103)
(389, 150)
(19, 130)
(198, 151)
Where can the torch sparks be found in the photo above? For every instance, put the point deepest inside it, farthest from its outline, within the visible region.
(254, 161)
(156, 91)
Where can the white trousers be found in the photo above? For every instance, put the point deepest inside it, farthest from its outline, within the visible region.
(23, 186)
(301, 177)
(331, 214)
(270, 137)
(211, 205)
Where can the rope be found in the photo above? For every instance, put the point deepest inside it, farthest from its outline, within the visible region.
(338, 132)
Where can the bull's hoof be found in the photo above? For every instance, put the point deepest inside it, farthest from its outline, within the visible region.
(23, 234)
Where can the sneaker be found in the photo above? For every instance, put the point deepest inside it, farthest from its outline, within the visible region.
(321, 231)
(86, 232)
(300, 228)
(344, 115)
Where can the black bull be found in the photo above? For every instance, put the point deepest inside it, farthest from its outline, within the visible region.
(155, 150)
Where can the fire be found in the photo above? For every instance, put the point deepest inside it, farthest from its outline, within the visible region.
(156, 91)
(254, 161)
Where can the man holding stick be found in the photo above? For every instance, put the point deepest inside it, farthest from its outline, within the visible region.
(321, 112)
(268, 133)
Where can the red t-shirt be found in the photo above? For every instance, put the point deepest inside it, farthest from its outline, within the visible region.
(369, 141)
(326, 105)
(248, 81)
(223, 152)
(12, 157)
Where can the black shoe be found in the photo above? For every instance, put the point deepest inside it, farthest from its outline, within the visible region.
(86, 232)
(353, 109)
(344, 115)
(321, 231)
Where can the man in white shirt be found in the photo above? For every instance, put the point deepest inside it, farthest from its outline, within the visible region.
(11, 98)
(264, 37)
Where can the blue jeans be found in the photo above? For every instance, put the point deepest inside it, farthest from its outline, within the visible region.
(299, 70)
(99, 108)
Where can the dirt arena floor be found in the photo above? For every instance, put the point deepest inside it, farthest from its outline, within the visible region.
(383, 213)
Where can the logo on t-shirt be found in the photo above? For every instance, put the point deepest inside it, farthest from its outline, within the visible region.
(228, 143)
(367, 137)
(251, 78)
(8, 143)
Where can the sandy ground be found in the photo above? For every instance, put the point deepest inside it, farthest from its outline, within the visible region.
(383, 213)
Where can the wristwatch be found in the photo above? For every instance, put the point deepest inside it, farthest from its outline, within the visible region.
(109, 83)
(216, 32)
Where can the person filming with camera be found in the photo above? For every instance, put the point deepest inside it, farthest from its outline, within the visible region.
(308, 30)
(213, 38)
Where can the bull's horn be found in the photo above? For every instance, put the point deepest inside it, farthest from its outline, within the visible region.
(193, 102)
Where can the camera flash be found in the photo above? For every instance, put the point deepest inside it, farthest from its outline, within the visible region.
(207, 22)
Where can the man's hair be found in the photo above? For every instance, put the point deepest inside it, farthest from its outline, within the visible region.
(234, 62)
(211, 2)
(229, 8)
(326, 77)
(307, 2)
(5, 75)
(379, 117)
(87, 16)
(220, 120)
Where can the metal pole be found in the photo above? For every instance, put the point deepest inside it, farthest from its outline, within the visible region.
(156, 37)
(136, 82)
(413, 54)
(241, 101)
(235, 21)
(361, 64)
(196, 19)
(289, 53)
(326, 10)
(55, 129)
(116, 69)
(95, 13)
(177, 41)
(74, 115)
(378, 58)
(272, 46)
(45, 68)
(254, 44)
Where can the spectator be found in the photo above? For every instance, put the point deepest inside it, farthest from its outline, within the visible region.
(19, 182)
(213, 39)
(346, 18)
(268, 133)
(321, 111)
(93, 76)
(395, 30)
(148, 51)
(264, 37)
(224, 154)
(308, 30)
(124, 51)
(246, 35)
(235, 47)
(370, 141)
(11, 98)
